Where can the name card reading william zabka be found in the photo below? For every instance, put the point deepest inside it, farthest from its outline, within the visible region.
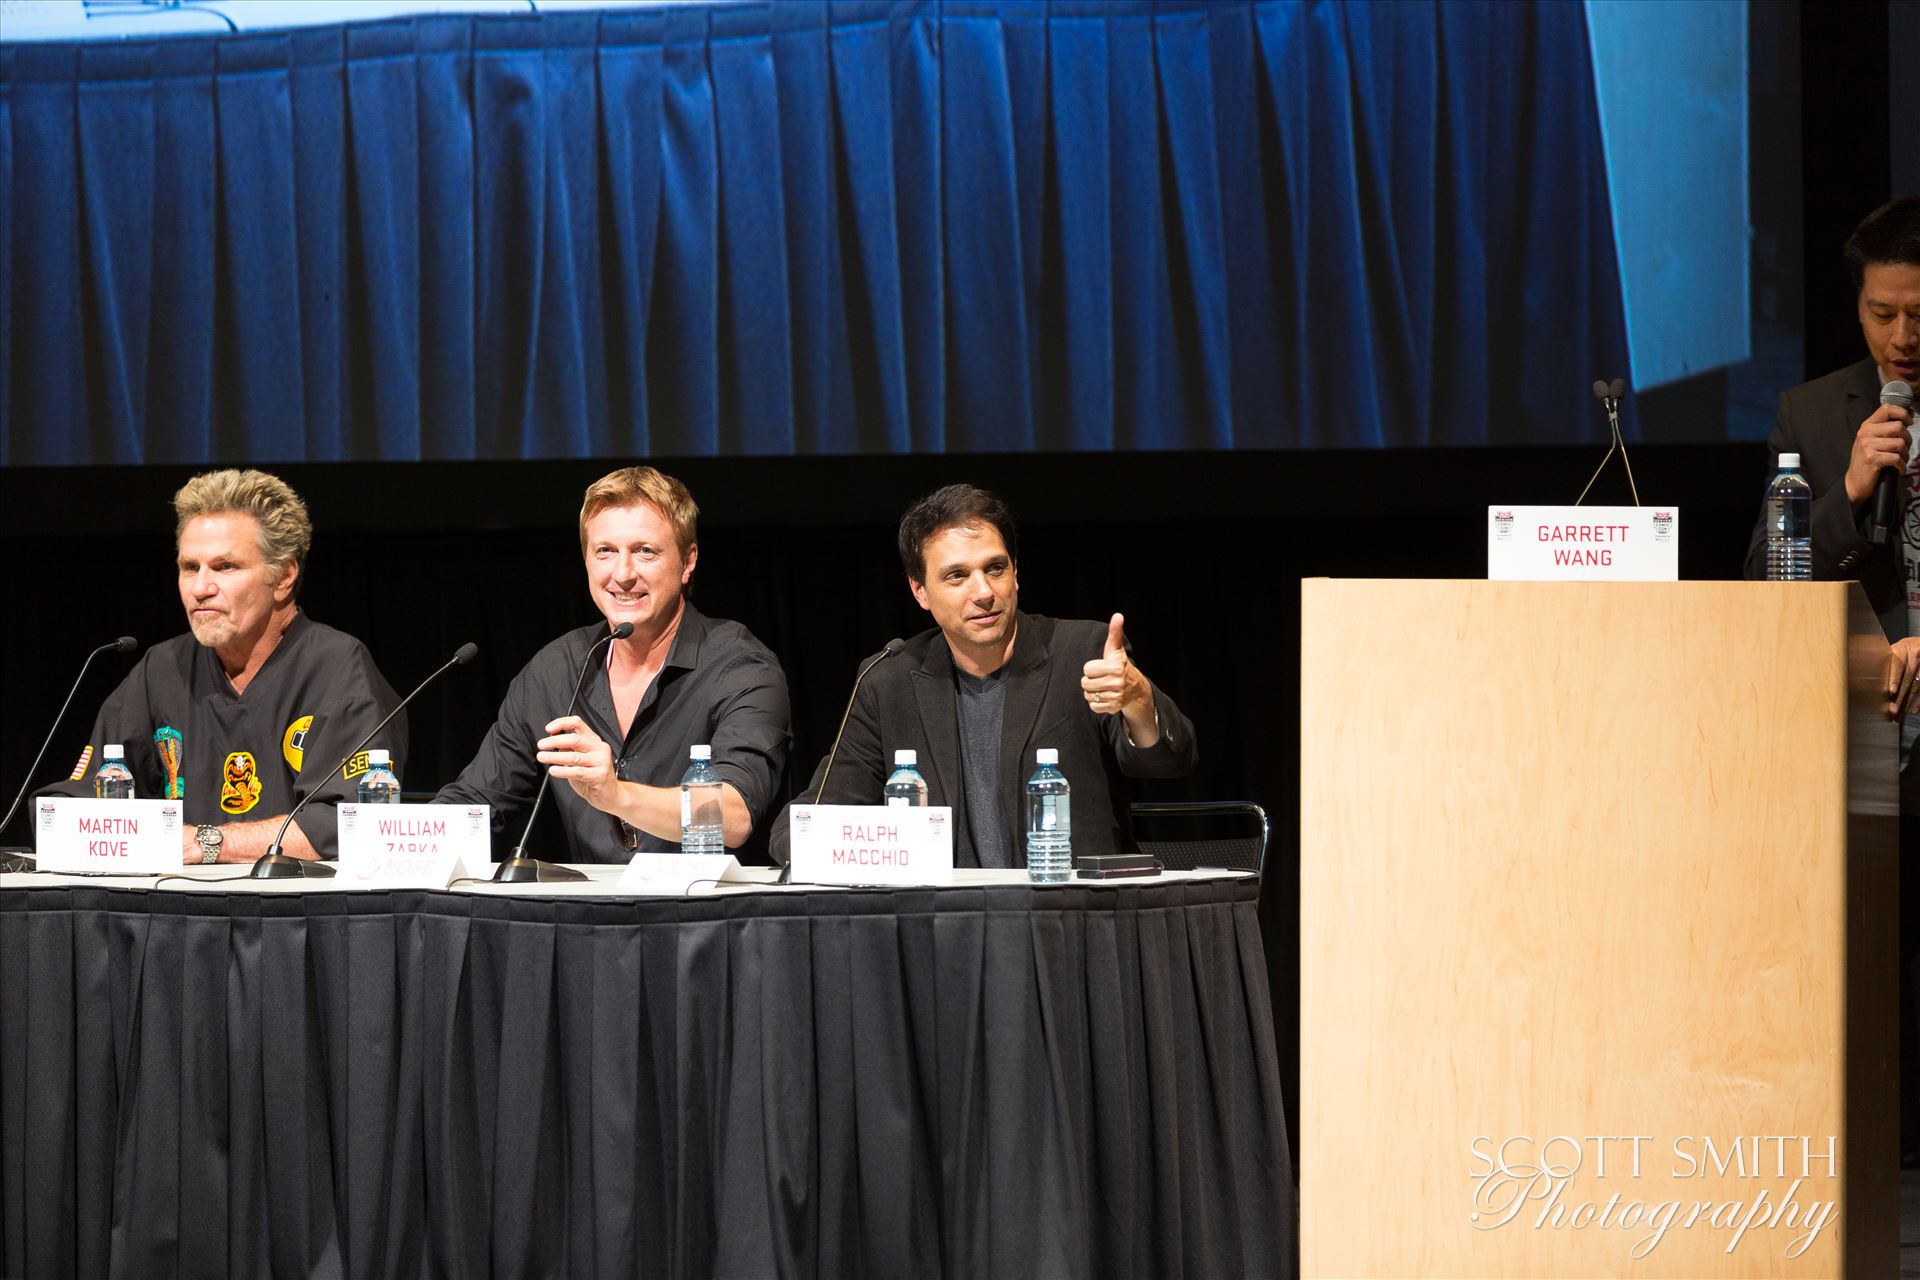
(871, 844)
(412, 846)
(108, 837)
(1583, 544)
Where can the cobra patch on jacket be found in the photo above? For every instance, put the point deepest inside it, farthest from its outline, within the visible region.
(239, 783)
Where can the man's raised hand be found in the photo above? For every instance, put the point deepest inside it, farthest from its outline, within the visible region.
(1111, 683)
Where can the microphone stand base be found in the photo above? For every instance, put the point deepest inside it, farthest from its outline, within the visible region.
(17, 860)
(278, 866)
(532, 870)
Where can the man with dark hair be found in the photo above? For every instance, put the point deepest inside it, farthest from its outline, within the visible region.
(975, 697)
(1845, 438)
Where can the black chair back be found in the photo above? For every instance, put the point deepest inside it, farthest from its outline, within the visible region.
(1185, 835)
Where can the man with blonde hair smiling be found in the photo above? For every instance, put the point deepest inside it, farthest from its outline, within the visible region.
(679, 679)
(238, 718)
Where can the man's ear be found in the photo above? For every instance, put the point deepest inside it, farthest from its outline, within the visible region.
(919, 590)
(289, 575)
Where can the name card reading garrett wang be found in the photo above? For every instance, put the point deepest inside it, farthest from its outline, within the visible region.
(871, 844)
(412, 846)
(1583, 544)
(108, 837)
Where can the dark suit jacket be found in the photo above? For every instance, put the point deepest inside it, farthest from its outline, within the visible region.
(907, 701)
(1818, 420)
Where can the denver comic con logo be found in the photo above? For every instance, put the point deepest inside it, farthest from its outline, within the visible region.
(1633, 1187)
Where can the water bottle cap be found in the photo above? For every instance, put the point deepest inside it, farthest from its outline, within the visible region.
(703, 752)
(1047, 755)
(1789, 461)
(112, 750)
(905, 757)
(378, 758)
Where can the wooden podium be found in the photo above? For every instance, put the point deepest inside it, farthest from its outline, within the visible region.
(1597, 914)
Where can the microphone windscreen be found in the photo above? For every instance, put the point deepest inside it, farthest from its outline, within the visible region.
(622, 631)
(1617, 388)
(894, 645)
(125, 644)
(466, 652)
(1897, 393)
(1599, 389)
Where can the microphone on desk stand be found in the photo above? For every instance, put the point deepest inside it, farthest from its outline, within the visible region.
(1886, 486)
(19, 859)
(520, 869)
(892, 647)
(1609, 394)
(275, 865)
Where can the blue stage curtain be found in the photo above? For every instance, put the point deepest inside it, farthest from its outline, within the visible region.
(977, 225)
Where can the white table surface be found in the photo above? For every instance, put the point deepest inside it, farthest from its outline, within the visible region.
(602, 880)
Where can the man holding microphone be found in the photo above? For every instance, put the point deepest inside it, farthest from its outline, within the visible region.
(1848, 434)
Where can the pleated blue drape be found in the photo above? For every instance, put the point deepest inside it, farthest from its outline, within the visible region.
(808, 228)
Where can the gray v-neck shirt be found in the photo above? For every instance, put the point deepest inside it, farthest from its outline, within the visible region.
(980, 705)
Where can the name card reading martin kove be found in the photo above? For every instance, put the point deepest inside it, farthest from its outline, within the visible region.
(412, 846)
(871, 844)
(108, 837)
(1583, 544)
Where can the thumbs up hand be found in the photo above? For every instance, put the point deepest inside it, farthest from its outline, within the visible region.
(1111, 683)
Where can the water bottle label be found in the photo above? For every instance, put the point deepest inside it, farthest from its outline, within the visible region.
(899, 802)
(686, 807)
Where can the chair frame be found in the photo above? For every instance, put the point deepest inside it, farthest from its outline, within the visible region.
(1205, 808)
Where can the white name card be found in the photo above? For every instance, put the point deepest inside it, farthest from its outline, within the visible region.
(871, 844)
(412, 846)
(1583, 544)
(675, 873)
(108, 837)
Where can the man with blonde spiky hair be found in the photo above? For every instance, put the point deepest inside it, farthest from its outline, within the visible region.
(675, 680)
(239, 718)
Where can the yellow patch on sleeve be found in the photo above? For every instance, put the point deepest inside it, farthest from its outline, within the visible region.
(294, 745)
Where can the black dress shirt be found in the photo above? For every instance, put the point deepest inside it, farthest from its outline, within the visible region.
(719, 686)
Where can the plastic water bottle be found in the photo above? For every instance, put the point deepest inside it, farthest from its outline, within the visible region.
(1049, 821)
(113, 780)
(906, 787)
(1789, 524)
(700, 830)
(379, 784)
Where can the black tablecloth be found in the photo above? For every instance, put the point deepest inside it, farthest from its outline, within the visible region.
(962, 1082)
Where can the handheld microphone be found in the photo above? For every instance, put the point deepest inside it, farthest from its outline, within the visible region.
(125, 644)
(520, 869)
(1886, 488)
(892, 647)
(275, 865)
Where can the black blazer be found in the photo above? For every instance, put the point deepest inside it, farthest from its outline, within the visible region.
(907, 701)
(1818, 421)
